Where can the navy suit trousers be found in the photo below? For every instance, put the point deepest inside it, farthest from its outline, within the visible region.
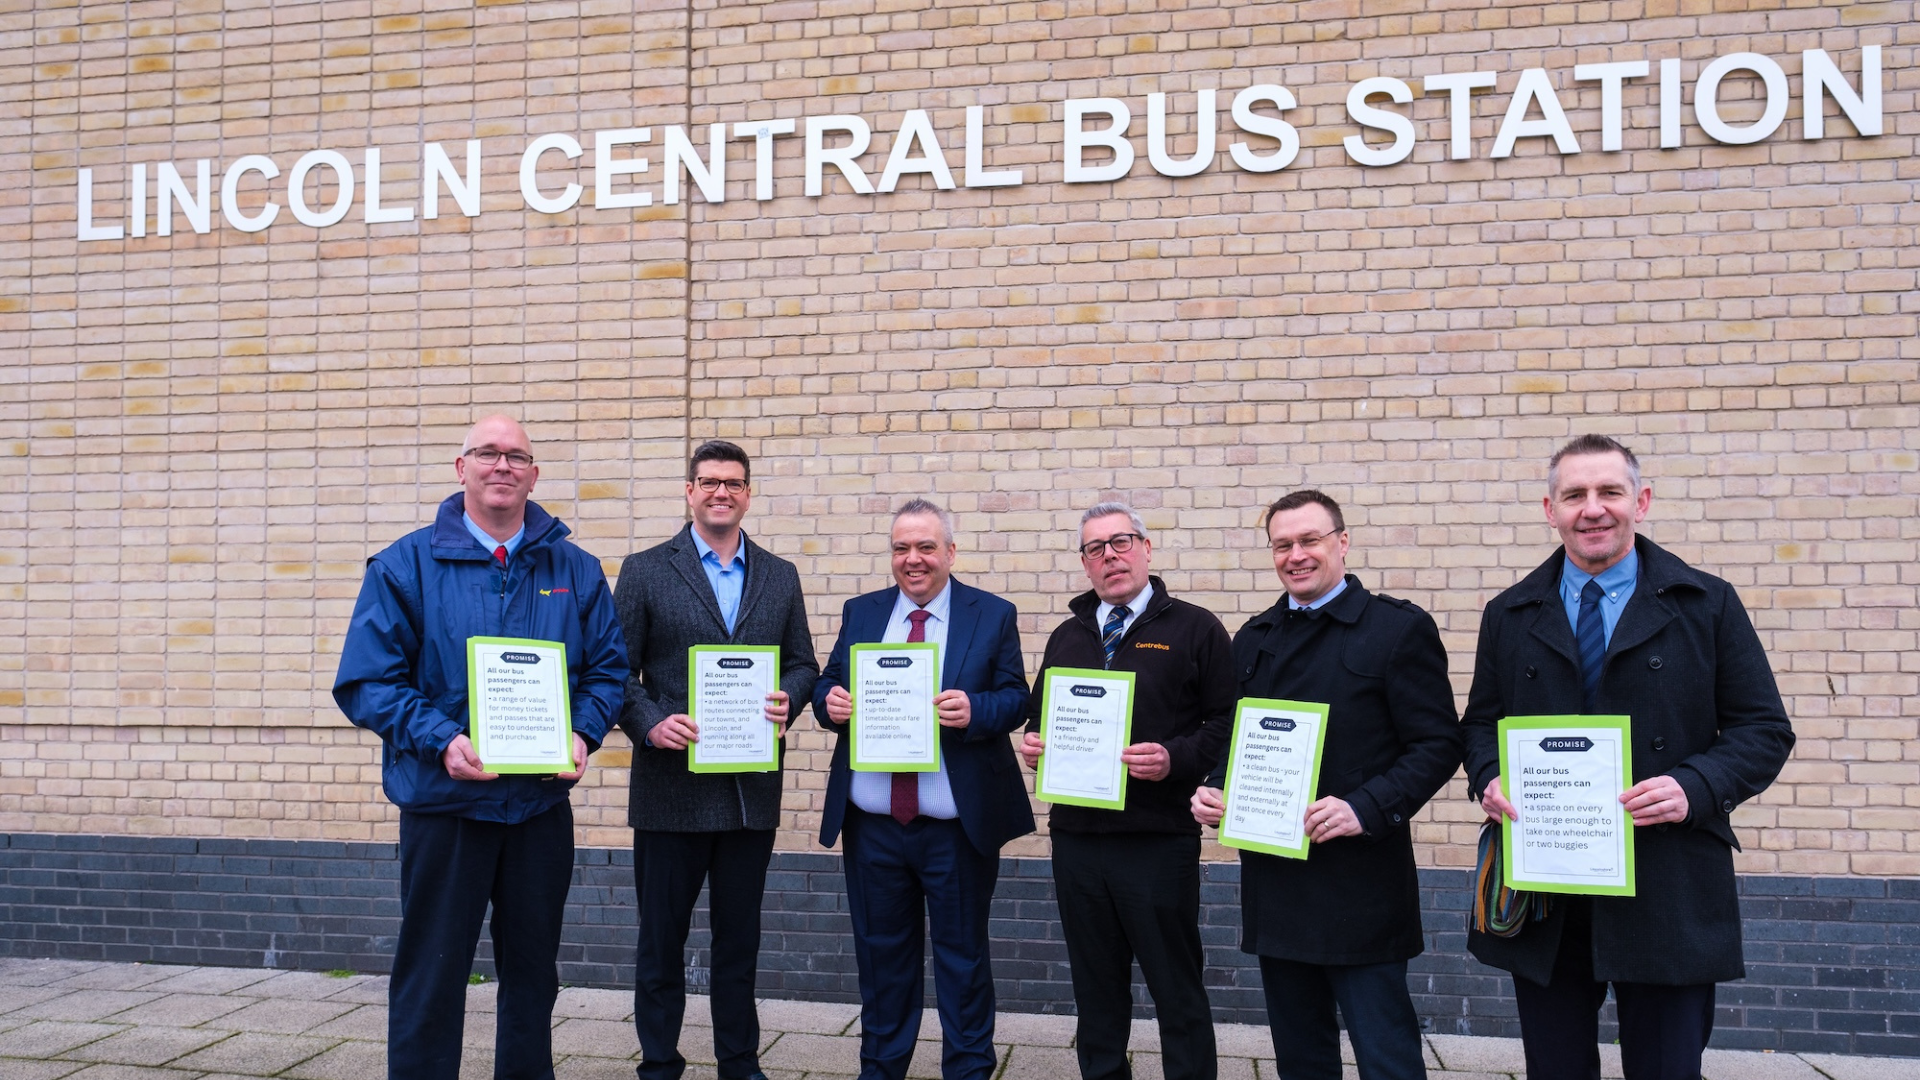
(902, 881)
(450, 869)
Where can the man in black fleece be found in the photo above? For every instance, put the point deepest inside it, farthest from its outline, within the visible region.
(1128, 881)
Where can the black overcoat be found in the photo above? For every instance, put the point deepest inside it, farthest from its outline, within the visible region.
(665, 604)
(1393, 740)
(1685, 664)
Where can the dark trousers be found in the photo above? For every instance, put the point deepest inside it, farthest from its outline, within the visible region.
(1374, 1001)
(450, 868)
(906, 882)
(1128, 896)
(1663, 1029)
(668, 868)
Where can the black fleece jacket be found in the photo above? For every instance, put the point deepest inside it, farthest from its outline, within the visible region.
(1183, 698)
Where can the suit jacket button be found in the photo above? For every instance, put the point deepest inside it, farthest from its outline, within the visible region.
(1396, 819)
(1726, 806)
(1529, 671)
(1656, 663)
(1249, 671)
(1659, 742)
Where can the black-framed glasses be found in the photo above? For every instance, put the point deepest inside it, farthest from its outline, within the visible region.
(1284, 548)
(711, 484)
(1119, 543)
(489, 457)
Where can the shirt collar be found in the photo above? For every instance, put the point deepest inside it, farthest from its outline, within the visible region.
(938, 607)
(707, 553)
(1134, 606)
(480, 536)
(1338, 588)
(1612, 579)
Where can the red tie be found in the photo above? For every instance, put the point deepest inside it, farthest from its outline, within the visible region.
(500, 556)
(906, 785)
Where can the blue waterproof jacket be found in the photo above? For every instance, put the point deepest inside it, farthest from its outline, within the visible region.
(403, 669)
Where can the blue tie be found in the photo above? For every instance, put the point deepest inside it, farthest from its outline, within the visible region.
(1591, 633)
(1110, 633)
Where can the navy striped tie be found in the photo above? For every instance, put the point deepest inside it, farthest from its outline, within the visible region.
(1111, 632)
(1591, 633)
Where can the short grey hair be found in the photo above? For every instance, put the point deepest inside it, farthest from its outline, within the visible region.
(1105, 509)
(918, 505)
(1593, 444)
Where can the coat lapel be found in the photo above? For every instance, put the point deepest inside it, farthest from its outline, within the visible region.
(756, 584)
(686, 560)
(1550, 624)
(961, 610)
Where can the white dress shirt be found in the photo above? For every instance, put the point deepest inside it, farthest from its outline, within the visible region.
(873, 791)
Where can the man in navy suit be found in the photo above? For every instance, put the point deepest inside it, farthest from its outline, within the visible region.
(929, 842)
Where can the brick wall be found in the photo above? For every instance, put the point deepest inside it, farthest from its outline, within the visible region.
(203, 436)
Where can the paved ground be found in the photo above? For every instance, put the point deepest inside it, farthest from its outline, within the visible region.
(95, 1021)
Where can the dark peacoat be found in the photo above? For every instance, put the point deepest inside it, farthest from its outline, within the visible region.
(665, 604)
(1685, 664)
(1392, 741)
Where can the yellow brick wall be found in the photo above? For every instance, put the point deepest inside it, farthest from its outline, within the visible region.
(203, 436)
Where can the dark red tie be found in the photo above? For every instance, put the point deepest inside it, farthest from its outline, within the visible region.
(906, 785)
(500, 556)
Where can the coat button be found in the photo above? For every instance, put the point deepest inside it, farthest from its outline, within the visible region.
(1726, 806)
(1530, 671)
(1656, 663)
(1659, 742)
(1396, 819)
(1249, 671)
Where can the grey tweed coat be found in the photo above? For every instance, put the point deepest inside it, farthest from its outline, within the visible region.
(665, 604)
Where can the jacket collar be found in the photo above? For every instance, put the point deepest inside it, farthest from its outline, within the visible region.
(1648, 610)
(1660, 570)
(1345, 608)
(451, 540)
(963, 618)
(1087, 604)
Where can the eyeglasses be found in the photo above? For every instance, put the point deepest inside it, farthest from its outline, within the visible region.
(709, 485)
(490, 457)
(1284, 548)
(1119, 543)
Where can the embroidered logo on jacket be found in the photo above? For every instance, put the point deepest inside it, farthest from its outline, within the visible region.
(550, 592)
(1152, 645)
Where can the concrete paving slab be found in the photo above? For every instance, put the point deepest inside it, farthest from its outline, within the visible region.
(926, 1059)
(285, 1016)
(1242, 1040)
(18, 972)
(593, 1068)
(364, 1022)
(608, 1039)
(808, 1017)
(348, 1061)
(148, 1045)
(1040, 1063)
(482, 997)
(133, 1072)
(183, 1010)
(13, 998)
(1477, 1053)
(1033, 1029)
(587, 1003)
(303, 985)
(253, 1053)
(368, 990)
(52, 1038)
(806, 1052)
(1864, 1068)
(122, 976)
(16, 1069)
(88, 1004)
(1145, 1035)
(209, 980)
(1755, 1065)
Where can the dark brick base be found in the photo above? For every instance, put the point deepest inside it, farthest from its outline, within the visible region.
(1833, 963)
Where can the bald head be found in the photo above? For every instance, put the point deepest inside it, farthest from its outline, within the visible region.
(497, 490)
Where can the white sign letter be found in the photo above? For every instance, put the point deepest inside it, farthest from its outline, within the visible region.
(137, 201)
(173, 191)
(916, 128)
(529, 185)
(375, 213)
(1367, 116)
(840, 157)
(1273, 127)
(439, 170)
(763, 132)
(1669, 104)
(1206, 122)
(1819, 74)
(1459, 86)
(1610, 76)
(297, 182)
(710, 178)
(1706, 98)
(230, 194)
(606, 167)
(1534, 86)
(1114, 138)
(88, 230)
(976, 173)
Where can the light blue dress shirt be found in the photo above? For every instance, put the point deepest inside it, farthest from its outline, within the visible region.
(728, 581)
(873, 791)
(1134, 607)
(1338, 588)
(1616, 582)
(488, 542)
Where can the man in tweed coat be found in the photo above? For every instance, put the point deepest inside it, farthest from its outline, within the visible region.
(709, 585)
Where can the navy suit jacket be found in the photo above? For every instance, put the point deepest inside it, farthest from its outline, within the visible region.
(982, 658)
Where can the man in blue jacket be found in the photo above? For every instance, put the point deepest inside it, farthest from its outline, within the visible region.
(492, 564)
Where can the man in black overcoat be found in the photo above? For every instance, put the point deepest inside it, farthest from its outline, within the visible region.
(1613, 624)
(709, 585)
(1340, 925)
